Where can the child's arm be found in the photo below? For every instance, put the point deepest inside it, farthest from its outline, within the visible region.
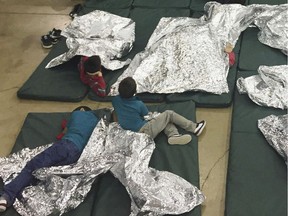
(83, 76)
(144, 110)
(64, 129)
(114, 116)
(98, 85)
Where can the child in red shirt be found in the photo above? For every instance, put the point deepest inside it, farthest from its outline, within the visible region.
(91, 75)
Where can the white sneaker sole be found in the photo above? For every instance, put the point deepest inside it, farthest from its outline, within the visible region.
(201, 129)
(47, 46)
(3, 206)
(179, 140)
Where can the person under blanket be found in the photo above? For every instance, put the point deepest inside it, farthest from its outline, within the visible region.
(129, 111)
(91, 74)
(62, 152)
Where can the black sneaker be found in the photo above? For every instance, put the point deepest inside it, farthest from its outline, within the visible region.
(199, 128)
(76, 9)
(55, 33)
(46, 41)
(54, 40)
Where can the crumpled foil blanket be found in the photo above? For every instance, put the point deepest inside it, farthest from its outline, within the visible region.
(98, 33)
(185, 54)
(275, 130)
(269, 88)
(126, 154)
(273, 25)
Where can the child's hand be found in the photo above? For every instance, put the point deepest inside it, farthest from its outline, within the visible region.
(99, 73)
(64, 123)
(64, 129)
(59, 136)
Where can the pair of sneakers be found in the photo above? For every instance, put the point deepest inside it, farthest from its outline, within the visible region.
(51, 38)
(182, 139)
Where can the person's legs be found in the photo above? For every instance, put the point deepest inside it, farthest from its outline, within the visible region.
(186, 124)
(158, 124)
(179, 120)
(164, 122)
(62, 152)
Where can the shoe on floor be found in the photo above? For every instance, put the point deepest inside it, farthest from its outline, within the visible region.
(46, 41)
(199, 128)
(179, 139)
(75, 11)
(3, 204)
(55, 33)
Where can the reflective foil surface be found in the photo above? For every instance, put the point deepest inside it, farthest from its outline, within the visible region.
(275, 130)
(269, 88)
(273, 25)
(126, 154)
(98, 33)
(185, 54)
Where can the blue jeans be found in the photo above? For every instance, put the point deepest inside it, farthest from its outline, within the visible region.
(62, 152)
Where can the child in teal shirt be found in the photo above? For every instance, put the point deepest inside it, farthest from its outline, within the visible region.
(130, 112)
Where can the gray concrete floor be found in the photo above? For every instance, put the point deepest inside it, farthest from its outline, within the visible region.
(21, 25)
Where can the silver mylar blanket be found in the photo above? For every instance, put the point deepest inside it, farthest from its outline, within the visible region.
(273, 25)
(98, 33)
(269, 88)
(126, 154)
(275, 130)
(186, 54)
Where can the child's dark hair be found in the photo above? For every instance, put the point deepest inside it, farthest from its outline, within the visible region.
(127, 87)
(93, 64)
(85, 108)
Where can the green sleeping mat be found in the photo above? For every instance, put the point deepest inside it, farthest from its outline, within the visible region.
(257, 175)
(101, 4)
(161, 3)
(61, 83)
(253, 53)
(118, 11)
(107, 196)
(247, 121)
(274, 2)
(198, 5)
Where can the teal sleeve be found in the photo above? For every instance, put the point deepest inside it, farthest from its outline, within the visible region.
(144, 109)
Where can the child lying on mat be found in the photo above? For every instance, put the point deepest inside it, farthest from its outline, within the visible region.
(130, 112)
(91, 74)
(62, 152)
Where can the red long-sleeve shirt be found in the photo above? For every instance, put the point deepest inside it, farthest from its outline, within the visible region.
(95, 82)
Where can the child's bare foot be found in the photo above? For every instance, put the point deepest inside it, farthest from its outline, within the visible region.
(229, 48)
